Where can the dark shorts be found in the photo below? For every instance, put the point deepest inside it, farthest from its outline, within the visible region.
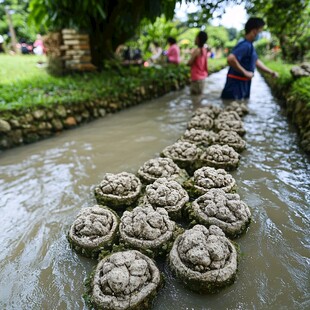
(236, 89)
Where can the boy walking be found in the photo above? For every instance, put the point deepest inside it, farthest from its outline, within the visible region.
(242, 61)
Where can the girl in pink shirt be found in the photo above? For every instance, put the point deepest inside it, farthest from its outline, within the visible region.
(173, 52)
(199, 64)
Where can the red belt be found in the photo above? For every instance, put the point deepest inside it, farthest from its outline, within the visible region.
(241, 78)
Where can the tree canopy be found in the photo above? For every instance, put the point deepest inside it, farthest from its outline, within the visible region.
(111, 23)
(289, 21)
(17, 10)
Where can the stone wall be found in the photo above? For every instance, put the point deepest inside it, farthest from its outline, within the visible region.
(298, 111)
(20, 127)
(68, 51)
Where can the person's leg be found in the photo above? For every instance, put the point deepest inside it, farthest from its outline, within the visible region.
(234, 89)
(196, 87)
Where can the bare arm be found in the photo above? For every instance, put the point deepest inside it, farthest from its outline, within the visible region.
(260, 65)
(195, 53)
(234, 63)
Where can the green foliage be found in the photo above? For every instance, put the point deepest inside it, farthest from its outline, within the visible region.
(262, 46)
(158, 31)
(232, 33)
(109, 23)
(19, 16)
(289, 21)
(31, 86)
(297, 90)
(217, 36)
(281, 85)
(301, 90)
(187, 38)
(216, 64)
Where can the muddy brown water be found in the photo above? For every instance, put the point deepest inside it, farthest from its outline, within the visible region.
(44, 185)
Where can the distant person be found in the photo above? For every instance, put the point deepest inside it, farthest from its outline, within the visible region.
(38, 46)
(173, 53)
(126, 54)
(242, 62)
(199, 64)
(1, 44)
(156, 52)
(137, 58)
(24, 47)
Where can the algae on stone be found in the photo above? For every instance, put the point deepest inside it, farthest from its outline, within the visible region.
(207, 178)
(167, 194)
(221, 157)
(125, 280)
(118, 190)
(94, 229)
(204, 259)
(161, 167)
(224, 210)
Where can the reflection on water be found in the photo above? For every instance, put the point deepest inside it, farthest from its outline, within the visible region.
(44, 185)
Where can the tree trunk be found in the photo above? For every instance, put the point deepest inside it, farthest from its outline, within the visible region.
(101, 49)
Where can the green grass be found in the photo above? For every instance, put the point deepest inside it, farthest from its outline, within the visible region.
(24, 85)
(17, 68)
(294, 89)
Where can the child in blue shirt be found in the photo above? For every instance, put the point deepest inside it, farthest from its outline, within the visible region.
(242, 61)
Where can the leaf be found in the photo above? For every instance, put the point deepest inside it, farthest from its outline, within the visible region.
(102, 13)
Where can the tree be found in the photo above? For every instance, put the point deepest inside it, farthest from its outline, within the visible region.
(289, 21)
(19, 15)
(113, 22)
(157, 31)
(108, 23)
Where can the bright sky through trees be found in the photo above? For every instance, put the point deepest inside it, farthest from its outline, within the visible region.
(234, 17)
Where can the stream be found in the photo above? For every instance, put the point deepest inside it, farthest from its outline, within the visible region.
(44, 185)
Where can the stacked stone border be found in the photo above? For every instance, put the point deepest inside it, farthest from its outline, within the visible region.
(20, 127)
(297, 111)
(68, 50)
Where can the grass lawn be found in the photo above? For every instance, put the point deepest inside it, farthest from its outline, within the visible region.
(15, 69)
(25, 85)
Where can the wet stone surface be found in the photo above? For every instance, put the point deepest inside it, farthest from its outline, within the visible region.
(229, 116)
(204, 259)
(220, 156)
(229, 125)
(201, 121)
(94, 229)
(199, 137)
(207, 178)
(184, 154)
(239, 107)
(146, 228)
(125, 280)
(160, 167)
(167, 194)
(231, 138)
(118, 189)
(209, 110)
(224, 210)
